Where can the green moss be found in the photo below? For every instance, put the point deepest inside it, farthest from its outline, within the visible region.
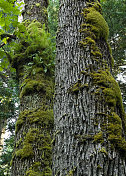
(45, 118)
(37, 4)
(35, 54)
(103, 150)
(75, 87)
(110, 88)
(94, 28)
(78, 86)
(44, 11)
(96, 21)
(98, 24)
(99, 137)
(99, 167)
(71, 172)
(41, 84)
(37, 70)
(35, 170)
(19, 142)
(33, 39)
(84, 138)
(112, 96)
(43, 141)
(38, 116)
(114, 118)
(19, 122)
(84, 86)
(32, 86)
(25, 152)
(96, 53)
(87, 40)
(31, 172)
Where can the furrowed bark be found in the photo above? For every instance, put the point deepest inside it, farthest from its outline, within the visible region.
(89, 118)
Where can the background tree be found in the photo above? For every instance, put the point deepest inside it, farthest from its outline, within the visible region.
(89, 115)
(53, 17)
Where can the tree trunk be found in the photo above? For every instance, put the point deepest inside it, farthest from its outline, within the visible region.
(33, 153)
(2, 134)
(36, 10)
(89, 115)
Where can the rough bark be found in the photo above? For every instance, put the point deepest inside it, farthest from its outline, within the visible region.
(89, 117)
(36, 10)
(32, 151)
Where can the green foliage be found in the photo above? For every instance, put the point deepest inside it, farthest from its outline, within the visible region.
(35, 46)
(8, 98)
(9, 11)
(8, 14)
(6, 156)
(53, 17)
(115, 15)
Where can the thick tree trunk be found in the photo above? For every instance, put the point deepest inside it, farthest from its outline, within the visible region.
(89, 116)
(33, 153)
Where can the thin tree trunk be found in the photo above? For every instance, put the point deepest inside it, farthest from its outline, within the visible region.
(33, 153)
(2, 134)
(89, 116)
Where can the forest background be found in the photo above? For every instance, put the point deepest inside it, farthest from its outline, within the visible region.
(115, 14)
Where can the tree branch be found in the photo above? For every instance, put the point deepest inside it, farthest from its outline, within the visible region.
(2, 45)
(11, 36)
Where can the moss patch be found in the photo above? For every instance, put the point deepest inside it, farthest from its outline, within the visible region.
(39, 116)
(98, 138)
(97, 23)
(77, 86)
(29, 86)
(95, 28)
(25, 152)
(110, 91)
(36, 138)
(71, 172)
(34, 41)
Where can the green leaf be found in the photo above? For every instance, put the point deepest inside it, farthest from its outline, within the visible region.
(1, 69)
